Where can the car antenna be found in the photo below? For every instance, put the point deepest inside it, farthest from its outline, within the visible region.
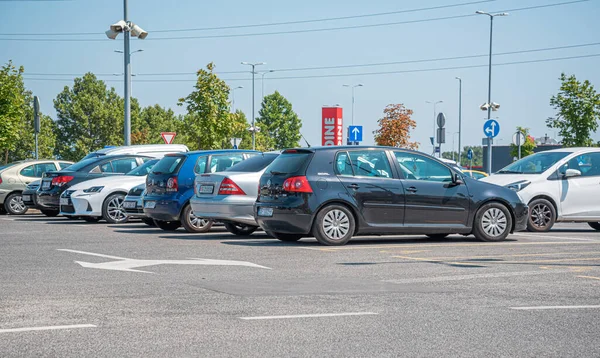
(308, 144)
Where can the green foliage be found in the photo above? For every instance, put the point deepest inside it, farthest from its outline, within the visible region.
(208, 124)
(578, 111)
(263, 141)
(477, 156)
(278, 122)
(526, 148)
(90, 116)
(12, 105)
(154, 120)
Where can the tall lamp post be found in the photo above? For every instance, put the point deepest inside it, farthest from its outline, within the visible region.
(459, 116)
(353, 87)
(434, 124)
(253, 129)
(453, 137)
(233, 97)
(489, 101)
(262, 83)
(128, 29)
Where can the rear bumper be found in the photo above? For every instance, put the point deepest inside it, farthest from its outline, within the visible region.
(521, 216)
(138, 211)
(237, 209)
(3, 195)
(32, 202)
(48, 200)
(165, 209)
(284, 220)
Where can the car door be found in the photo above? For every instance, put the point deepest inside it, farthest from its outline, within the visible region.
(576, 193)
(430, 194)
(368, 178)
(35, 172)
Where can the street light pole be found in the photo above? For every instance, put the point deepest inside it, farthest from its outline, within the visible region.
(253, 129)
(353, 87)
(459, 117)
(262, 83)
(434, 124)
(453, 137)
(233, 97)
(127, 76)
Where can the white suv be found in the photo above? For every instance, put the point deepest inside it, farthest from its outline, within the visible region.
(558, 185)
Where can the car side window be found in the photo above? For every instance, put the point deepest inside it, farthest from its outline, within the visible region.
(370, 163)
(28, 172)
(124, 165)
(40, 169)
(200, 166)
(343, 165)
(106, 168)
(62, 165)
(417, 167)
(589, 164)
(218, 163)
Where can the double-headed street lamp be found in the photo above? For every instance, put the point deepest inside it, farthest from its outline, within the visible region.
(128, 29)
(233, 97)
(489, 105)
(353, 87)
(262, 83)
(434, 124)
(253, 128)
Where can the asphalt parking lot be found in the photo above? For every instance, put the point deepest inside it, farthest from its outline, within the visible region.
(69, 288)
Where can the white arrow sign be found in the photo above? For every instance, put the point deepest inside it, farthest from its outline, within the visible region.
(355, 131)
(125, 264)
(492, 129)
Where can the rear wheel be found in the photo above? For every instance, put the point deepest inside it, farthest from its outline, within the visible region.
(167, 225)
(240, 229)
(492, 222)
(541, 216)
(13, 204)
(595, 225)
(334, 225)
(148, 221)
(437, 236)
(91, 219)
(50, 213)
(192, 223)
(112, 209)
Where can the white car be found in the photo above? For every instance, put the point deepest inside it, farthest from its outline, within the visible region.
(557, 185)
(102, 198)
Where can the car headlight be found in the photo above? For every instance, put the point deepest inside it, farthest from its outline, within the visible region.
(518, 186)
(94, 189)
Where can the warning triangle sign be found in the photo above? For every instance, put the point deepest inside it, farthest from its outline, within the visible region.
(168, 137)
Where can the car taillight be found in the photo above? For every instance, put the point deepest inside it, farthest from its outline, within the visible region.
(61, 180)
(297, 185)
(172, 184)
(229, 187)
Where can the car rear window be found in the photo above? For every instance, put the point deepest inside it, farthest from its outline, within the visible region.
(290, 162)
(168, 165)
(253, 164)
(82, 164)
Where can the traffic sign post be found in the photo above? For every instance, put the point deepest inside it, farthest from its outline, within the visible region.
(36, 123)
(235, 142)
(518, 139)
(470, 157)
(355, 134)
(168, 137)
(491, 128)
(441, 132)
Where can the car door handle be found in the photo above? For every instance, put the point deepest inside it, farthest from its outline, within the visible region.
(353, 186)
(412, 189)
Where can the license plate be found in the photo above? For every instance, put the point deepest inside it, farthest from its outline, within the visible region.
(265, 211)
(206, 189)
(129, 204)
(150, 204)
(26, 197)
(46, 185)
(64, 201)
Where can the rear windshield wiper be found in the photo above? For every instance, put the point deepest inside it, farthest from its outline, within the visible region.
(275, 172)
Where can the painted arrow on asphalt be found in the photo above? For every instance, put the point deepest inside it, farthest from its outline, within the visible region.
(127, 264)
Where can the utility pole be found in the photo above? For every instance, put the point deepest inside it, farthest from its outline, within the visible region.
(253, 129)
(127, 72)
(459, 116)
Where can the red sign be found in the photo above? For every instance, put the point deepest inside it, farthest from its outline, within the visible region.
(332, 132)
(168, 137)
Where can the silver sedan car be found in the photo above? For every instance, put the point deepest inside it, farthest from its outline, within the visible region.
(229, 196)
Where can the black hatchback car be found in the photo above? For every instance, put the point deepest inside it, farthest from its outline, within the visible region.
(54, 183)
(333, 193)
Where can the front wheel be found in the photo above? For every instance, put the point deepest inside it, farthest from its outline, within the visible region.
(194, 224)
(13, 204)
(595, 225)
(167, 225)
(492, 222)
(541, 216)
(334, 225)
(240, 229)
(112, 209)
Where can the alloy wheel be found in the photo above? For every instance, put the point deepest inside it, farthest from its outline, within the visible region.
(336, 224)
(494, 222)
(16, 204)
(541, 215)
(197, 222)
(115, 209)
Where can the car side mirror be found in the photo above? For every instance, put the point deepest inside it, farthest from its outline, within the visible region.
(570, 173)
(457, 179)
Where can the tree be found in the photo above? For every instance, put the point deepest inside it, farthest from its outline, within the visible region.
(208, 124)
(263, 141)
(154, 120)
(526, 148)
(89, 117)
(578, 111)
(278, 121)
(12, 105)
(395, 126)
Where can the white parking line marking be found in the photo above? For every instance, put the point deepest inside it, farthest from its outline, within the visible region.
(47, 328)
(554, 308)
(311, 315)
(482, 244)
(542, 236)
(473, 276)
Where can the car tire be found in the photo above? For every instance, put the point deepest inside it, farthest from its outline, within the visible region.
(167, 225)
(240, 229)
(334, 225)
(193, 223)
(91, 219)
(437, 236)
(148, 221)
(595, 225)
(541, 216)
(13, 204)
(2, 211)
(493, 222)
(49, 213)
(112, 209)
(285, 237)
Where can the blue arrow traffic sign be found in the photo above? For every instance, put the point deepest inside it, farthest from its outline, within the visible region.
(491, 128)
(470, 154)
(355, 133)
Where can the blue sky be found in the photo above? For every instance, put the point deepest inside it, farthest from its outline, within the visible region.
(523, 90)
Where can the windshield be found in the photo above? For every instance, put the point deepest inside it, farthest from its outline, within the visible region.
(143, 169)
(167, 165)
(534, 164)
(253, 164)
(81, 164)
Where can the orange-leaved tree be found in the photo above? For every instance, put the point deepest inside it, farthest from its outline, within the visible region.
(395, 126)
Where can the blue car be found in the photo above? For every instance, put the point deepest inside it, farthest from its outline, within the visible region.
(170, 185)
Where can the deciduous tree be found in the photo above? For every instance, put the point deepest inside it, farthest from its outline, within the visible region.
(395, 126)
(526, 148)
(278, 121)
(12, 105)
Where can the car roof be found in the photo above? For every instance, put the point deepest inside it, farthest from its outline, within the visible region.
(141, 147)
(573, 150)
(213, 151)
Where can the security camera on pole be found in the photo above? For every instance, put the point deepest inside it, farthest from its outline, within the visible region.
(127, 28)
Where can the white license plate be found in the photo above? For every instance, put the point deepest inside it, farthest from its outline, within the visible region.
(26, 197)
(64, 201)
(150, 204)
(46, 185)
(129, 204)
(206, 189)
(265, 211)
